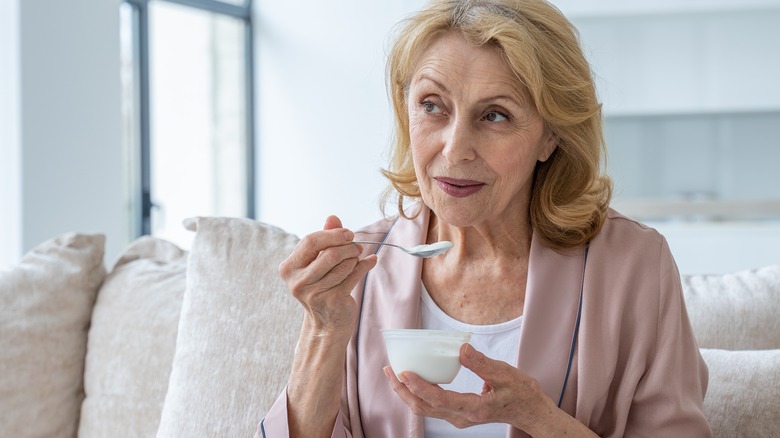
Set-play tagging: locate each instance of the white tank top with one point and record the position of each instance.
(497, 341)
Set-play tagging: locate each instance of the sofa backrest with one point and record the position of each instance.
(237, 330)
(201, 343)
(736, 311)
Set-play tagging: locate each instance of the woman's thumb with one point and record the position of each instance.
(332, 222)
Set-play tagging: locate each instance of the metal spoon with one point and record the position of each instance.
(424, 251)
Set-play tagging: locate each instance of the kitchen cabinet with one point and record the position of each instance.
(691, 102)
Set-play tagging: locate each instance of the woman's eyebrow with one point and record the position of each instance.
(425, 77)
(502, 97)
(513, 98)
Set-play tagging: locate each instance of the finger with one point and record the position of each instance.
(327, 275)
(424, 398)
(310, 247)
(417, 405)
(390, 374)
(331, 267)
(332, 222)
(398, 386)
(438, 398)
(489, 370)
(360, 270)
(335, 281)
(346, 273)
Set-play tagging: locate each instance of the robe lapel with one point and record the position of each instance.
(550, 314)
(391, 300)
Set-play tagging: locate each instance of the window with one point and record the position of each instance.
(187, 92)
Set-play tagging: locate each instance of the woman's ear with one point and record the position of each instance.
(550, 142)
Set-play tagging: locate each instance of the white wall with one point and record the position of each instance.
(323, 118)
(68, 152)
(10, 146)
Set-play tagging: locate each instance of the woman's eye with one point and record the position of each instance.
(495, 116)
(430, 107)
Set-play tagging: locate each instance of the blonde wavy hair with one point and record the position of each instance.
(570, 194)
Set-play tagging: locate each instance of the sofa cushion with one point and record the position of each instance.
(45, 306)
(237, 331)
(132, 341)
(742, 395)
(735, 311)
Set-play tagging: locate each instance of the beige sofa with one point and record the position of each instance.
(198, 344)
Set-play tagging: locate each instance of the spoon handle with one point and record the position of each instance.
(364, 242)
(424, 251)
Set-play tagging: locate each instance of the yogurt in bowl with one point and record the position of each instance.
(433, 355)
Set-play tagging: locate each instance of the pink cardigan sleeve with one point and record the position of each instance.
(675, 365)
(640, 372)
(275, 425)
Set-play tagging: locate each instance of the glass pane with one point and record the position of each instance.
(234, 2)
(198, 127)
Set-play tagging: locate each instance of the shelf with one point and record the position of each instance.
(577, 9)
(677, 113)
(705, 210)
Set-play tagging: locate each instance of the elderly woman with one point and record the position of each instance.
(577, 318)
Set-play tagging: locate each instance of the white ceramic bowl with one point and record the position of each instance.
(431, 354)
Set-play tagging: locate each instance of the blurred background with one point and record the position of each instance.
(126, 116)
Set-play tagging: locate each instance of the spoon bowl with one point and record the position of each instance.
(425, 251)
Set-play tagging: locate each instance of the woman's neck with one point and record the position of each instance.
(482, 279)
(510, 241)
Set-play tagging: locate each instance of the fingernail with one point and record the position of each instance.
(468, 351)
(403, 379)
(348, 235)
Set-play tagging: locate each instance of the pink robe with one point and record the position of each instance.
(635, 369)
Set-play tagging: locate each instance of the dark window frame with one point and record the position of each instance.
(140, 43)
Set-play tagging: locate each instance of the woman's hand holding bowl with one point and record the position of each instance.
(508, 395)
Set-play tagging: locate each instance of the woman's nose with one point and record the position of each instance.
(459, 142)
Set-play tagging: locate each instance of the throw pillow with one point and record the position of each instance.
(742, 395)
(45, 306)
(132, 341)
(735, 311)
(237, 331)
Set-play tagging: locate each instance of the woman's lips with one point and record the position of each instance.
(459, 188)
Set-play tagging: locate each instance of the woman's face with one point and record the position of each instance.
(475, 137)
